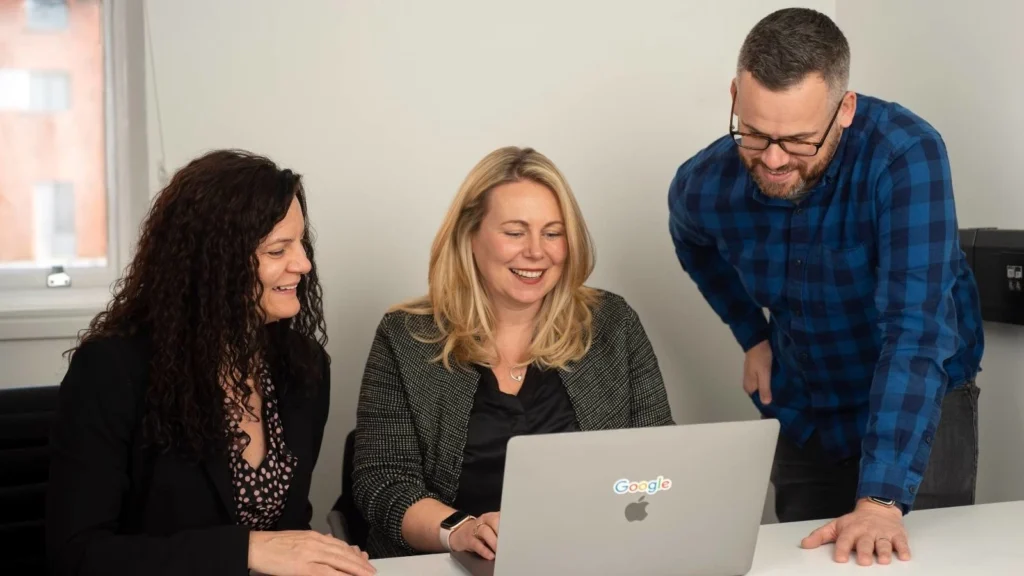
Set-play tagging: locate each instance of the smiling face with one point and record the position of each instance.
(800, 113)
(282, 264)
(520, 246)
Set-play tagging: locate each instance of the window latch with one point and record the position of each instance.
(58, 278)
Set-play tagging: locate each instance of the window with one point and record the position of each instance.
(54, 145)
(72, 73)
(46, 15)
(34, 90)
(48, 91)
(54, 212)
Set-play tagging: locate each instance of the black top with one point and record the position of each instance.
(541, 407)
(117, 505)
(260, 493)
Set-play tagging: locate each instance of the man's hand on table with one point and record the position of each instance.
(871, 529)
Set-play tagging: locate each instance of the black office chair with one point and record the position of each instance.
(345, 520)
(26, 415)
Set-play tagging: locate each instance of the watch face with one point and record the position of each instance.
(884, 501)
(453, 520)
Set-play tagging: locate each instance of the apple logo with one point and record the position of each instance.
(636, 511)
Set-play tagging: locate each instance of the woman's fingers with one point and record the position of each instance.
(492, 519)
(489, 537)
(347, 559)
(481, 549)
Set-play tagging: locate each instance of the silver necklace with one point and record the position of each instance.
(519, 377)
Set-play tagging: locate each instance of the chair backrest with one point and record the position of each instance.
(356, 527)
(26, 416)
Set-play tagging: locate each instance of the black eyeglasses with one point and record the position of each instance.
(762, 142)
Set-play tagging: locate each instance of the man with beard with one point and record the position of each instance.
(834, 211)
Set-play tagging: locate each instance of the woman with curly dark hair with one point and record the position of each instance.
(193, 410)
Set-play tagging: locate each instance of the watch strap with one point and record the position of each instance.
(445, 534)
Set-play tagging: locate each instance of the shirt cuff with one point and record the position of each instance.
(751, 331)
(400, 503)
(889, 483)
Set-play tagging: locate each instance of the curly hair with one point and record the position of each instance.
(193, 290)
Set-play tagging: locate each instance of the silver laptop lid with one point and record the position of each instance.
(681, 500)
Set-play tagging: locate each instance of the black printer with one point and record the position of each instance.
(997, 259)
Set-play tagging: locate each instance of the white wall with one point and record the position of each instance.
(385, 106)
(957, 64)
(32, 362)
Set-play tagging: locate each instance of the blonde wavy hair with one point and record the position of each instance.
(463, 313)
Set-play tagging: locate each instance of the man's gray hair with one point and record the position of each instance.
(787, 45)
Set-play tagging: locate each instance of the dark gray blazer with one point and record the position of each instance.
(412, 415)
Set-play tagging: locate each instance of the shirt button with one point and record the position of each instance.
(804, 356)
(799, 211)
(913, 488)
(799, 262)
(927, 438)
(797, 312)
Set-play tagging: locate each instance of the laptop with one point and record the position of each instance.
(683, 500)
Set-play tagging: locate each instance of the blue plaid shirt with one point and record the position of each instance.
(873, 311)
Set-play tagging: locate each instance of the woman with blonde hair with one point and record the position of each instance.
(507, 341)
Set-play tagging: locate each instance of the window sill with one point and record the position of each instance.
(49, 313)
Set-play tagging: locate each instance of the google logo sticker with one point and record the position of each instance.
(625, 486)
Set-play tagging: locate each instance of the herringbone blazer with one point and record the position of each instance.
(412, 414)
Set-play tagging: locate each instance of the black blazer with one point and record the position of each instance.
(117, 507)
(413, 414)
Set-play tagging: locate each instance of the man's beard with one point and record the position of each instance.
(808, 175)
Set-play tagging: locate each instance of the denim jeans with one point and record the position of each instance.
(809, 486)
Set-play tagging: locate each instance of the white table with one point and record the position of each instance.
(986, 539)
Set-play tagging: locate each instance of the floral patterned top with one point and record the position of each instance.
(260, 493)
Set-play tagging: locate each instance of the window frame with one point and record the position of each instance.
(28, 308)
(43, 29)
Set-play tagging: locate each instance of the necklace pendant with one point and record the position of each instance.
(517, 377)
